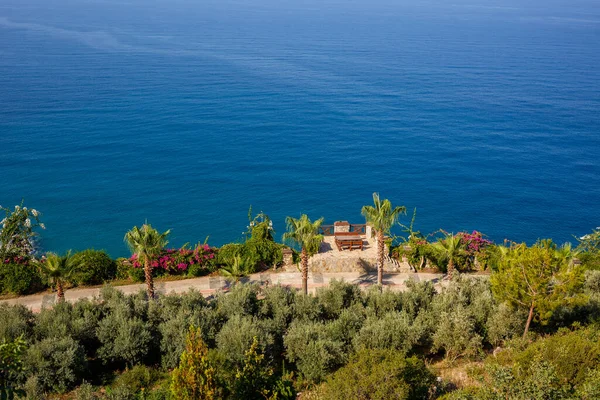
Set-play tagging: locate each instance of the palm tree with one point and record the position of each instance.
(305, 234)
(146, 243)
(381, 216)
(237, 267)
(448, 250)
(59, 270)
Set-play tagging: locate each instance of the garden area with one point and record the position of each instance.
(529, 329)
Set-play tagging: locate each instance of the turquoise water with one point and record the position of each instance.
(482, 114)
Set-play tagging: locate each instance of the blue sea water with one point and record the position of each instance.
(482, 114)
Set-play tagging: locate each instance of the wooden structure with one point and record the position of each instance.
(348, 240)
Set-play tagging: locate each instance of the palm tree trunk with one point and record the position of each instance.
(149, 279)
(529, 318)
(380, 248)
(450, 268)
(60, 293)
(304, 259)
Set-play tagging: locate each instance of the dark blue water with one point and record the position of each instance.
(482, 114)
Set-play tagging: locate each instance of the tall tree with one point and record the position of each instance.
(539, 278)
(381, 216)
(306, 234)
(448, 250)
(146, 243)
(195, 377)
(59, 270)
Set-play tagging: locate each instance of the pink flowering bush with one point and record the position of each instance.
(198, 261)
(476, 248)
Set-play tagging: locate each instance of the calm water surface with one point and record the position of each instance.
(482, 114)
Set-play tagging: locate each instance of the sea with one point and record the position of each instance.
(480, 114)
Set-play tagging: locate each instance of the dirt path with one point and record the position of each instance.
(210, 285)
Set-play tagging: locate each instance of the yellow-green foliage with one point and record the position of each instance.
(540, 278)
(194, 379)
(379, 374)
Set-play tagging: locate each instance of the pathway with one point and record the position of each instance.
(210, 285)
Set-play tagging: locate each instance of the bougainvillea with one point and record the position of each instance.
(475, 246)
(474, 241)
(178, 261)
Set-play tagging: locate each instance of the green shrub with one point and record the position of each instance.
(33, 389)
(338, 296)
(120, 393)
(263, 253)
(253, 379)
(278, 304)
(124, 336)
(228, 252)
(57, 363)
(93, 267)
(592, 282)
(137, 378)
(571, 354)
(379, 375)
(379, 302)
(11, 367)
(417, 297)
(174, 330)
(315, 353)
(504, 323)
(86, 392)
(455, 334)
(195, 376)
(346, 327)
(15, 321)
(590, 388)
(237, 335)
(590, 260)
(307, 307)
(79, 321)
(392, 331)
(20, 278)
(123, 266)
(240, 300)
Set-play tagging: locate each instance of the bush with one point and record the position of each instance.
(571, 354)
(240, 300)
(455, 334)
(174, 330)
(379, 375)
(315, 353)
(86, 392)
(93, 267)
(57, 363)
(418, 297)
(380, 302)
(278, 304)
(78, 321)
(392, 331)
(237, 335)
(15, 321)
(338, 296)
(124, 335)
(20, 278)
(505, 323)
(137, 378)
(308, 308)
(194, 378)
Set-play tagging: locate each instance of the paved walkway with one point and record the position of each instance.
(210, 285)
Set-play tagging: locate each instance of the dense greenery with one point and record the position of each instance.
(270, 342)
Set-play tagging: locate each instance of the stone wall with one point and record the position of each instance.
(355, 264)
